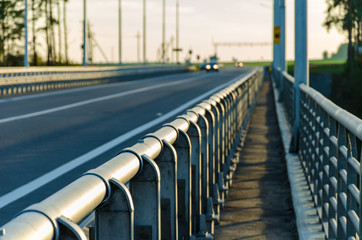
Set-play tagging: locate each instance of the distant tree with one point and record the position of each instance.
(50, 22)
(59, 33)
(325, 54)
(11, 30)
(36, 13)
(346, 16)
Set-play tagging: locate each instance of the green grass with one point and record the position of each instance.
(322, 66)
(315, 66)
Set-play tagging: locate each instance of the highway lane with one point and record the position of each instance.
(48, 140)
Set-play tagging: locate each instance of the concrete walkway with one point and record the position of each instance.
(259, 204)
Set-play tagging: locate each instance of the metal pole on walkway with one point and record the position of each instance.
(301, 66)
(84, 32)
(26, 34)
(276, 41)
(282, 63)
(144, 32)
(120, 32)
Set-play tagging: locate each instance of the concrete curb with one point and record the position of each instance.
(307, 220)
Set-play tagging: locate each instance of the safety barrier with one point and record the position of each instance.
(330, 150)
(34, 79)
(170, 185)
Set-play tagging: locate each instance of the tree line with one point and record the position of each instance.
(47, 24)
(346, 16)
(47, 28)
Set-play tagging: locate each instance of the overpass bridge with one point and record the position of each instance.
(251, 153)
(215, 170)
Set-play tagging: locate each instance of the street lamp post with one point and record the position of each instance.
(26, 64)
(177, 32)
(84, 32)
(144, 31)
(120, 32)
(163, 29)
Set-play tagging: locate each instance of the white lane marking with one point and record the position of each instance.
(78, 104)
(81, 89)
(50, 176)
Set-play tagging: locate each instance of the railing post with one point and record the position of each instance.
(352, 180)
(115, 219)
(209, 213)
(221, 150)
(227, 142)
(333, 172)
(217, 158)
(204, 128)
(146, 192)
(167, 163)
(341, 185)
(183, 150)
(68, 230)
(325, 162)
(194, 133)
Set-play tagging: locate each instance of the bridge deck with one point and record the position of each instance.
(259, 203)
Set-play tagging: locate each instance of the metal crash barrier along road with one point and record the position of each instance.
(330, 151)
(35, 79)
(170, 185)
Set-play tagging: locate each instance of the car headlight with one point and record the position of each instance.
(208, 66)
(216, 66)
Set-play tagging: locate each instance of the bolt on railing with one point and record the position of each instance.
(330, 150)
(170, 185)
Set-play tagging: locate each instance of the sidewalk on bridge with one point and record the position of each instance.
(259, 203)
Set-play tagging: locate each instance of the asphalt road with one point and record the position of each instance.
(49, 139)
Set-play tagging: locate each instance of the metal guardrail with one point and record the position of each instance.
(172, 183)
(330, 150)
(34, 79)
(288, 96)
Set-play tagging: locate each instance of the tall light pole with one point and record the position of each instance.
(144, 31)
(120, 32)
(282, 63)
(177, 31)
(26, 64)
(84, 32)
(301, 66)
(276, 45)
(138, 36)
(282, 34)
(163, 29)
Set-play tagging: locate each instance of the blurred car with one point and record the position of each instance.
(212, 67)
(239, 64)
(203, 66)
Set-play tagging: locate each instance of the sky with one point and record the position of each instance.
(202, 22)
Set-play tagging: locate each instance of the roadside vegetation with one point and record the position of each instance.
(47, 31)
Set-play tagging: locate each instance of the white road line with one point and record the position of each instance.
(78, 104)
(46, 178)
